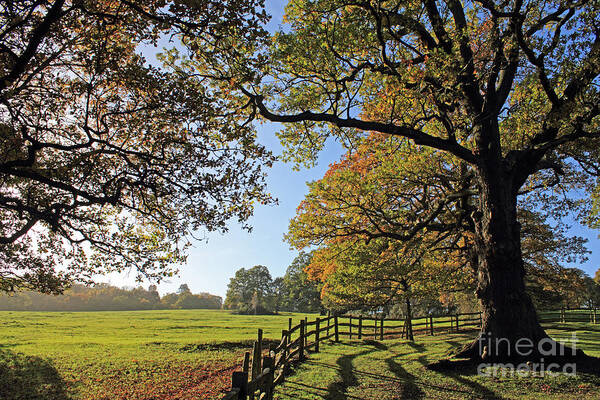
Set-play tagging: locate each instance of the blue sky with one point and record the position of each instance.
(214, 260)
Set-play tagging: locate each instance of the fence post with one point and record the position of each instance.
(317, 327)
(431, 325)
(381, 337)
(268, 363)
(284, 350)
(301, 340)
(350, 327)
(595, 317)
(305, 331)
(562, 315)
(289, 324)
(336, 329)
(375, 327)
(256, 360)
(246, 364)
(360, 327)
(457, 328)
(328, 321)
(240, 380)
(480, 319)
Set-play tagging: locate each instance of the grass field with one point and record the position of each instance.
(178, 354)
(395, 369)
(174, 354)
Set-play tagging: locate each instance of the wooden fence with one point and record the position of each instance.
(259, 377)
(266, 368)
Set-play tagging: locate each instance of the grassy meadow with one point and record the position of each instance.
(190, 354)
(170, 354)
(395, 369)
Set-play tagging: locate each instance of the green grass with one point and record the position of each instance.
(395, 369)
(180, 354)
(125, 355)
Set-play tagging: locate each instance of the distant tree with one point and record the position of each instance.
(188, 300)
(255, 303)
(299, 293)
(278, 294)
(183, 288)
(375, 275)
(169, 300)
(591, 294)
(572, 287)
(250, 290)
(211, 301)
(106, 297)
(597, 276)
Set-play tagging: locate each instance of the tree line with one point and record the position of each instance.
(105, 297)
(254, 291)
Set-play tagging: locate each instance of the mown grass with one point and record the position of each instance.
(171, 354)
(180, 354)
(395, 369)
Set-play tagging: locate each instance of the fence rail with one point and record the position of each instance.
(261, 372)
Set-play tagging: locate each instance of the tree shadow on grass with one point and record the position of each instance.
(28, 377)
(347, 374)
(338, 390)
(461, 372)
(417, 346)
(410, 389)
(455, 347)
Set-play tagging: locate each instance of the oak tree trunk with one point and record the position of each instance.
(510, 328)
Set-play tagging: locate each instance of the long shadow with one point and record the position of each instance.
(375, 343)
(400, 379)
(338, 390)
(31, 378)
(455, 347)
(459, 376)
(417, 346)
(410, 389)
(423, 360)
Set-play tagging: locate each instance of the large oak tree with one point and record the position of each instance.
(507, 89)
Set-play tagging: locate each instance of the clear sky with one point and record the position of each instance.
(214, 260)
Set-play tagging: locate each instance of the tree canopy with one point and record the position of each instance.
(300, 292)
(250, 291)
(106, 161)
(254, 291)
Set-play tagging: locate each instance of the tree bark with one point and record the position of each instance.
(408, 323)
(510, 329)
